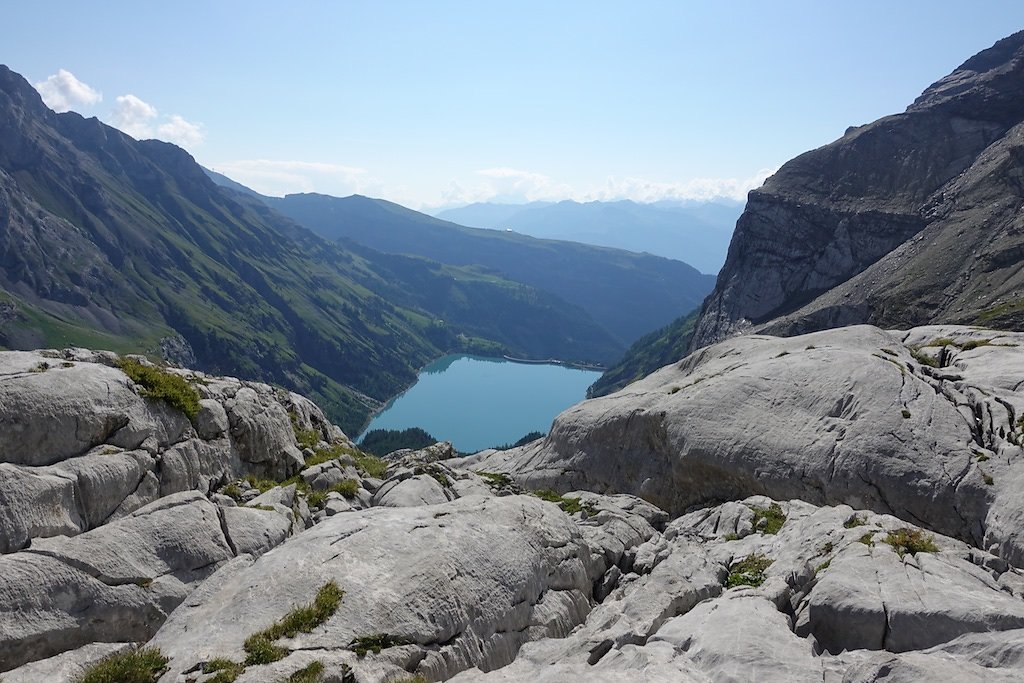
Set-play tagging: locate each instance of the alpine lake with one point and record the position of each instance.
(477, 402)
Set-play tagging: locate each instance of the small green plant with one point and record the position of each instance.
(144, 665)
(748, 572)
(822, 567)
(980, 456)
(987, 478)
(234, 491)
(975, 343)
(316, 499)
(924, 358)
(41, 366)
(497, 479)
(370, 464)
(854, 521)
(942, 341)
(434, 472)
(826, 549)
(569, 505)
(769, 520)
(733, 536)
(260, 647)
(911, 541)
(227, 670)
(346, 487)
(868, 539)
(162, 385)
(375, 643)
(905, 413)
(262, 485)
(332, 452)
(313, 673)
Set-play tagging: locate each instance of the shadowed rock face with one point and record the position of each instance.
(841, 416)
(908, 220)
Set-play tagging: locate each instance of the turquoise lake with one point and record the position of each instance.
(477, 402)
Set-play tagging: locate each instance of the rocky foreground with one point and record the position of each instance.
(842, 506)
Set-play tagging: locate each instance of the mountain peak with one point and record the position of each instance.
(987, 86)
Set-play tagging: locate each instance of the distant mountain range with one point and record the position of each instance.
(695, 232)
(627, 293)
(114, 243)
(910, 220)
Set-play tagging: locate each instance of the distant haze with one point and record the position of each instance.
(695, 232)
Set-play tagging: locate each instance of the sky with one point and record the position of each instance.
(441, 103)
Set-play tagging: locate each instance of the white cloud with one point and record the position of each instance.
(509, 185)
(700, 189)
(134, 117)
(181, 132)
(62, 91)
(138, 118)
(278, 178)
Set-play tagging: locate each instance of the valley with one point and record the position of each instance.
(283, 439)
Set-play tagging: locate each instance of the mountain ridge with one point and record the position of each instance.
(129, 245)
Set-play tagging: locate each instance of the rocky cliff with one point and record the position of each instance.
(870, 529)
(912, 219)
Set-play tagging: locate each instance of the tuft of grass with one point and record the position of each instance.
(975, 343)
(822, 567)
(733, 536)
(346, 487)
(905, 413)
(980, 456)
(987, 478)
(748, 572)
(923, 358)
(144, 665)
(233, 491)
(497, 479)
(371, 465)
(434, 472)
(227, 670)
(162, 385)
(375, 643)
(868, 539)
(332, 452)
(769, 520)
(941, 341)
(41, 366)
(308, 674)
(569, 505)
(260, 647)
(854, 521)
(911, 541)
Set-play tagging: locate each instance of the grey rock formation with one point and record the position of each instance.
(842, 416)
(909, 220)
(465, 583)
(672, 619)
(82, 446)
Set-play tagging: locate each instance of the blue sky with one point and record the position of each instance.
(434, 103)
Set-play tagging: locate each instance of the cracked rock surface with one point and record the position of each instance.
(846, 416)
(81, 445)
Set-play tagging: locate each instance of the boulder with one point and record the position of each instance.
(437, 577)
(845, 416)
